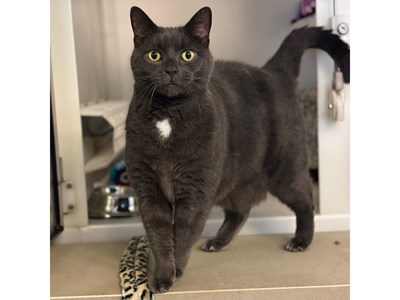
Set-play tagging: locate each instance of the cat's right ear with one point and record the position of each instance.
(141, 24)
(200, 24)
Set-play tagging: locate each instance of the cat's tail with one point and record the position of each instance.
(288, 57)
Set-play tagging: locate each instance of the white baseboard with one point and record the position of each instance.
(254, 225)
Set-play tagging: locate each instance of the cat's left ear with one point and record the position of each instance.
(200, 24)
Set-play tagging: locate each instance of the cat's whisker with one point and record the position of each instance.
(148, 93)
(201, 88)
(142, 82)
(151, 97)
(193, 92)
(143, 91)
(207, 81)
(143, 95)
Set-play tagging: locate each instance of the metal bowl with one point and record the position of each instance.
(112, 201)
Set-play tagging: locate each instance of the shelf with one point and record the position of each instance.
(114, 113)
(102, 159)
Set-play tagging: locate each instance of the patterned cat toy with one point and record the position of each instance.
(133, 270)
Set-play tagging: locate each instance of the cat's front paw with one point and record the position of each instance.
(179, 273)
(214, 245)
(160, 285)
(297, 245)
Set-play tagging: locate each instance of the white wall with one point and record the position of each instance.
(249, 31)
(89, 49)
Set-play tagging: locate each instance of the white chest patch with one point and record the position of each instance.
(164, 128)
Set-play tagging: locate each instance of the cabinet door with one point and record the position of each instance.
(55, 201)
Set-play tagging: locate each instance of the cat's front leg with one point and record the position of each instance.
(156, 213)
(190, 216)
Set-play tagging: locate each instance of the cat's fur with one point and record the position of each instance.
(236, 132)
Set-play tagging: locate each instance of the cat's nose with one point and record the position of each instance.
(171, 71)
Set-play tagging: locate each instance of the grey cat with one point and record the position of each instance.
(201, 133)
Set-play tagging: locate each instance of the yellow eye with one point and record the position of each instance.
(187, 55)
(154, 56)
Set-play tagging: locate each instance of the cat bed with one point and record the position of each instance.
(133, 270)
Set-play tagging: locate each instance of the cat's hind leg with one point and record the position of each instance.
(231, 226)
(237, 205)
(297, 195)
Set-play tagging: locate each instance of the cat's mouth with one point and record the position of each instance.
(171, 90)
(168, 100)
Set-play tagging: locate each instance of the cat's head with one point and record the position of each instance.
(175, 61)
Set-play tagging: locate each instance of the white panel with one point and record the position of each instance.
(333, 137)
(66, 106)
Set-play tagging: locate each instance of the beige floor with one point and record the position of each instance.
(255, 267)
